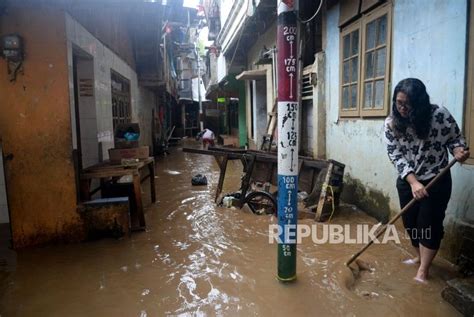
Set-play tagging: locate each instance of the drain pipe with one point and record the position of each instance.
(288, 127)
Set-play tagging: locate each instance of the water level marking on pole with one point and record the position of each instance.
(288, 130)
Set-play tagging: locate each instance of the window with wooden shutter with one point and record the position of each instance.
(350, 70)
(365, 65)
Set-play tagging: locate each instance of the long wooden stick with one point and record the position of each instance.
(408, 206)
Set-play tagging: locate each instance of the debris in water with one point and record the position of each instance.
(368, 294)
(302, 196)
(199, 179)
(172, 172)
(187, 200)
(227, 201)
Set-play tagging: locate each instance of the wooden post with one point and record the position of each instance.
(151, 168)
(324, 191)
(137, 190)
(223, 168)
(246, 179)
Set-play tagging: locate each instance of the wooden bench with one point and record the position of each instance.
(106, 217)
(107, 170)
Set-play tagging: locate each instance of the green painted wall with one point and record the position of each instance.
(239, 87)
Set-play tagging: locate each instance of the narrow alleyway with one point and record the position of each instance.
(199, 259)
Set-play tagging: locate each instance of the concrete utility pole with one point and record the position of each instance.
(288, 113)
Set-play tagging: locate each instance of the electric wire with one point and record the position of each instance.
(314, 15)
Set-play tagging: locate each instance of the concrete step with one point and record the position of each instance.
(460, 294)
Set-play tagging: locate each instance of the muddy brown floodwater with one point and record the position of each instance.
(198, 259)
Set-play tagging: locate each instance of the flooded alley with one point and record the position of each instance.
(197, 259)
(331, 118)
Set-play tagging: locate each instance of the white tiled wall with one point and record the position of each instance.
(104, 60)
(88, 117)
(4, 217)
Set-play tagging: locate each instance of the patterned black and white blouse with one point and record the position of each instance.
(424, 158)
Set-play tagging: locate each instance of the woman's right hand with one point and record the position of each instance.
(418, 190)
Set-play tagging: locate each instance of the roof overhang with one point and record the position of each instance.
(252, 74)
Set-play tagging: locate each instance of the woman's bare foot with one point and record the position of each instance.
(415, 260)
(419, 280)
(421, 276)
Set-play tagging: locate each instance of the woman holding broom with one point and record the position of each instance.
(418, 136)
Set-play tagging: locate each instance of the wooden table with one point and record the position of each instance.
(106, 170)
(314, 177)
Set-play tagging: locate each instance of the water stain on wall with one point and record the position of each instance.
(374, 202)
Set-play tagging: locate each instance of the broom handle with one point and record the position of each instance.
(408, 206)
